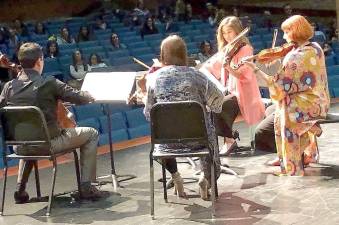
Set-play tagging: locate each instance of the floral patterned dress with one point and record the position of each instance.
(300, 91)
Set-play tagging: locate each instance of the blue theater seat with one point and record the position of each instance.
(88, 44)
(118, 122)
(121, 60)
(141, 51)
(52, 68)
(139, 44)
(135, 118)
(200, 38)
(68, 46)
(90, 122)
(88, 111)
(140, 131)
(117, 135)
(332, 70)
(333, 81)
(330, 60)
(153, 37)
(118, 53)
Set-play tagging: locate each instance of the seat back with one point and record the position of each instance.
(178, 122)
(25, 126)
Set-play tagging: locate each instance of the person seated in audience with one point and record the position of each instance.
(318, 34)
(180, 9)
(148, 28)
(84, 34)
(170, 25)
(65, 37)
(15, 54)
(78, 70)
(116, 42)
(3, 43)
(52, 49)
(32, 88)
(220, 14)
(13, 38)
(39, 29)
(188, 13)
(188, 84)
(100, 24)
(95, 62)
(328, 49)
(205, 51)
(20, 28)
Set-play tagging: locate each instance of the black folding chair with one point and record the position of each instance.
(179, 122)
(26, 127)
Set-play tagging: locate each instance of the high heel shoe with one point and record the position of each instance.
(203, 188)
(178, 185)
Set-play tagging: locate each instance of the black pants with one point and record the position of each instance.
(264, 133)
(224, 120)
(26, 171)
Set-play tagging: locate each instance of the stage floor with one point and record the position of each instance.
(254, 197)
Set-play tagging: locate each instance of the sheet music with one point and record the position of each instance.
(213, 79)
(109, 86)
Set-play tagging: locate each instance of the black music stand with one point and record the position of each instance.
(110, 87)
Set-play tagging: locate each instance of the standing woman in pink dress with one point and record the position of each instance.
(243, 97)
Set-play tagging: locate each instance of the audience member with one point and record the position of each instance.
(65, 37)
(148, 28)
(95, 62)
(100, 24)
(84, 34)
(20, 28)
(205, 51)
(78, 70)
(13, 39)
(39, 29)
(188, 13)
(116, 42)
(328, 50)
(170, 25)
(52, 49)
(180, 9)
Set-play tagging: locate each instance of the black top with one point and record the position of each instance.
(32, 89)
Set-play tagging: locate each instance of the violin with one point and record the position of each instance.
(139, 90)
(64, 116)
(269, 55)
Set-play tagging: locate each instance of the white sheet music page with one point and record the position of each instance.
(109, 86)
(213, 79)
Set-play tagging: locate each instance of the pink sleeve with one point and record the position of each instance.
(246, 71)
(214, 67)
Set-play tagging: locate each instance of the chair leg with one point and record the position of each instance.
(4, 189)
(52, 188)
(37, 179)
(77, 171)
(213, 184)
(164, 181)
(152, 184)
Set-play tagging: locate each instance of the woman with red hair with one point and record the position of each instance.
(300, 93)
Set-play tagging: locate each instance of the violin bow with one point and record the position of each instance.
(141, 63)
(275, 34)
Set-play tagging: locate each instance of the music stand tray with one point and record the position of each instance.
(110, 87)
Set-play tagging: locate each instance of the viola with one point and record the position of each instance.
(64, 116)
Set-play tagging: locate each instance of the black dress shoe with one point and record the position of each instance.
(21, 197)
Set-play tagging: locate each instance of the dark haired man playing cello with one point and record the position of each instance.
(30, 88)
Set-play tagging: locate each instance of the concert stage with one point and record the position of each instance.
(255, 197)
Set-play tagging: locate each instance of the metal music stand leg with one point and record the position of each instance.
(113, 175)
